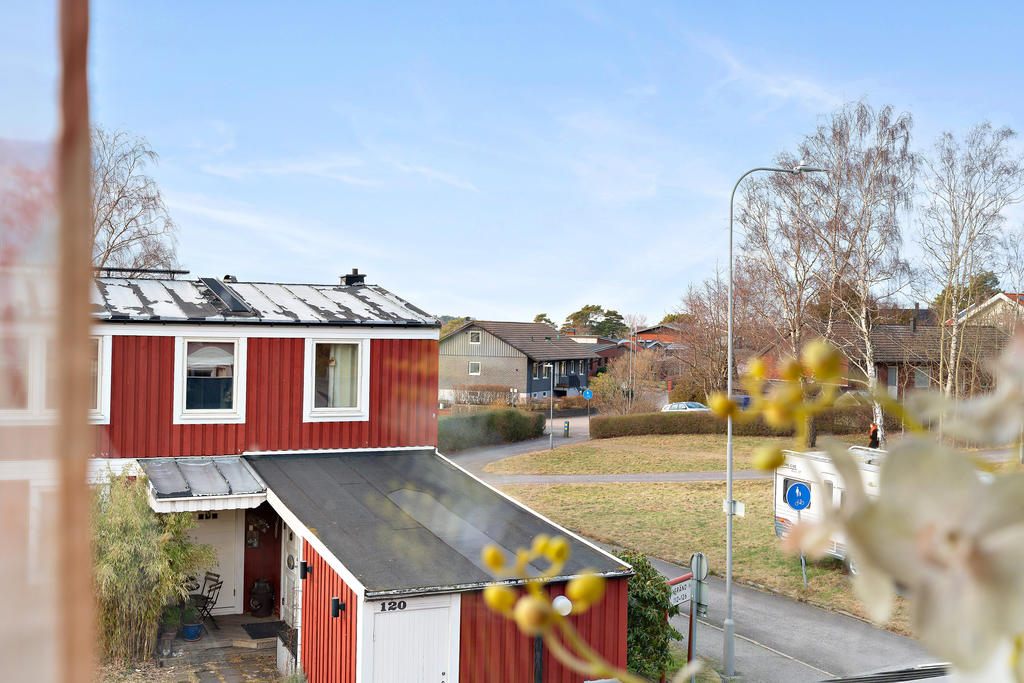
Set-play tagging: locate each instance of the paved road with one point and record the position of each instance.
(778, 639)
(476, 459)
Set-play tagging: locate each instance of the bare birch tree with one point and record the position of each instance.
(968, 185)
(860, 202)
(778, 249)
(131, 227)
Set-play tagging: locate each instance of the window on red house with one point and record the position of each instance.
(209, 375)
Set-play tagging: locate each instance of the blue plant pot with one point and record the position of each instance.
(192, 632)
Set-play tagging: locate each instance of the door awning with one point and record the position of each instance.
(194, 484)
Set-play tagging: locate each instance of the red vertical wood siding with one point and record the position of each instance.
(491, 647)
(328, 643)
(403, 402)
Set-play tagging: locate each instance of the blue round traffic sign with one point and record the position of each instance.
(798, 496)
(588, 394)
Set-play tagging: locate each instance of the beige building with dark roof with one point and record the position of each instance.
(522, 360)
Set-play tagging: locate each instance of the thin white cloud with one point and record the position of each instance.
(435, 175)
(292, 236)
(333, 168)
(781, 87)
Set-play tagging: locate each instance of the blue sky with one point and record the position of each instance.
(495, 160)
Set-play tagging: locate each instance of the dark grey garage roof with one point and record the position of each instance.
(209, 300)
(194, 477)
(538, 341)
(408, 521)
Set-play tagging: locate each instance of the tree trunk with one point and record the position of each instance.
(951, 365)
(872, 373)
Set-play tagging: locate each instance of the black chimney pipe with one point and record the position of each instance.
(354, 278)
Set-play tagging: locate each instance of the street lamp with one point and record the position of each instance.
(551, 415)
(729, 625)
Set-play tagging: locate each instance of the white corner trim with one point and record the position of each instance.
(361, 412)
(303, 531)
(534, 512)
(234, 416)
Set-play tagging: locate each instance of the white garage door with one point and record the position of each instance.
(222, 530)
(413, 641)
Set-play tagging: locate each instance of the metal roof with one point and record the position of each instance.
(406, 522)
(214, 301)
(196, 477)
(537, 341)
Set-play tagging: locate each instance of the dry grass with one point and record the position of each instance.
(672, 521)
(630, 454)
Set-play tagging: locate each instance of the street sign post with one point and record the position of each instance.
(680, 592)
(798, 497)
(698, 602)
(588, 394)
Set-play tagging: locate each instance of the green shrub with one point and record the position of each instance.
(848, 420)
(649, 633)
(483, 428)
(141, 561)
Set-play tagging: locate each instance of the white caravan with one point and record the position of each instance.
(815, 470)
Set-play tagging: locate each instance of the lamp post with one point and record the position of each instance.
(551, 407)
(729, 626)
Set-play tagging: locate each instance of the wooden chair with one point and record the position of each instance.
(206, 601)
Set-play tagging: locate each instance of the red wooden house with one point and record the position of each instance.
(299, 423)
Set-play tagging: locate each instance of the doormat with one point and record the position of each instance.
(263, 629)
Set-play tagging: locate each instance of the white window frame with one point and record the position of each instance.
(358, 413)
(478, 367)
(36, 411)
(545, 368)
(536, 370)
(234, 415)
(479, 337)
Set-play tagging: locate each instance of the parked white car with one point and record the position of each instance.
(686, 406)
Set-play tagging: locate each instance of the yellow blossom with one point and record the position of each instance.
(557, 549)
(768, 458)
(499, 598)
(721, 405)
(757, 369)
(791, 370)
(823, 359)
(533, 614)
(584, 591)
(493, 558)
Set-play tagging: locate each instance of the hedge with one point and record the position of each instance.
(851, 420)
(484, 428)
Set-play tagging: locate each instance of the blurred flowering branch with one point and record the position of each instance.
(535, 614)
(948, 533)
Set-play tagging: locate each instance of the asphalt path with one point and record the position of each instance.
(777, 638)
(780, 639)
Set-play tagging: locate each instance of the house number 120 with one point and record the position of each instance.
(392, 605)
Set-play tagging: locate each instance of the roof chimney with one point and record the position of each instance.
(353, 278)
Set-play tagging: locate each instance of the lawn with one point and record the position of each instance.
(672, 521)
(660, 453)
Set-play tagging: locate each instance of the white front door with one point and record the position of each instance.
(223, 530)
(413, 640)
(291, 587)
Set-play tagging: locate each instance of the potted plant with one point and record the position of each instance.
(191, 625)
(169, 623)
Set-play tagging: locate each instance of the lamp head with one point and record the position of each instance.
(805, 168)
